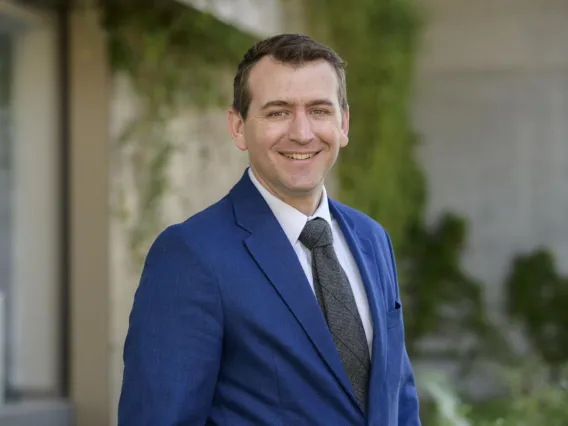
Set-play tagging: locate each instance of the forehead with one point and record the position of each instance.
(271, 80)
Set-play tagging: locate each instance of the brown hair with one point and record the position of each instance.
(292, 49)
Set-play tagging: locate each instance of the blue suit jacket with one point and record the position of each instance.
(225, 329)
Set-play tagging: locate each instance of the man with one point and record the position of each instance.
(276, 305)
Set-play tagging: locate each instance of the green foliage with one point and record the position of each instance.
(175, 57)
(530, 399)
(378, 171)
(537, 297)
(441, 295)
(173, 53)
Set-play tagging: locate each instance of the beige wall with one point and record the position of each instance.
(493, 34)
(491, 106)
(90, 323)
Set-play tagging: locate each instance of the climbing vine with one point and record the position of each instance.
(378, 171)
(175, 57)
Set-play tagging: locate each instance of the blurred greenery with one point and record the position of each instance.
(176, 58)
(378, 171)
(174, 54)
(537, 297)
(441, 297)
(531, 400)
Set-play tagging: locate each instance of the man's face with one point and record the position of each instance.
(294, 127)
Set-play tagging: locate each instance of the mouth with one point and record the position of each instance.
(299, 156)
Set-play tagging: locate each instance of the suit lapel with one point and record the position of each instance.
(275, 256)
(373, 278)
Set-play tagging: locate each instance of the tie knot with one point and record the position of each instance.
(316, 233)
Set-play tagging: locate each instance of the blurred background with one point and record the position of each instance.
(112, 126)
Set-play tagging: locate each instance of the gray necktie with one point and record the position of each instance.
(337, 302)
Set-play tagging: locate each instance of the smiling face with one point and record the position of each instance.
(293, 130)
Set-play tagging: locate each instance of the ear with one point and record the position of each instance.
(344, 128)
(236, 126)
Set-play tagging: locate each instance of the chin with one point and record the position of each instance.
(304, 188)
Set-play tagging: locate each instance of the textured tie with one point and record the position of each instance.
(337, 302)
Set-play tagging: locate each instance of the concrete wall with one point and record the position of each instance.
(5, 193)
(260, 17)
(491, 107)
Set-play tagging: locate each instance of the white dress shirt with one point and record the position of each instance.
(293, 221)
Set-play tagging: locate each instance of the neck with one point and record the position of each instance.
(306, 205)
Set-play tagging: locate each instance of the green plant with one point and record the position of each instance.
(537, 297)
(531, 399)
(378, 171)
(441, 296)
(175, 58)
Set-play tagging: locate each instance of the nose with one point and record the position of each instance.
(301, 129)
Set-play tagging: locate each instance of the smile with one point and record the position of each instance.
(299, 156)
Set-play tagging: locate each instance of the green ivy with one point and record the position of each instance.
(173, 52)
(378, 171)
(175, 57)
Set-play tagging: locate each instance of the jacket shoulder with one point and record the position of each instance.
(201, 228)
(362, 221)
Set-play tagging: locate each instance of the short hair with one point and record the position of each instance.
(292, 49)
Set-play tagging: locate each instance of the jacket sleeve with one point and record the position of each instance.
(408, 406)
(408, 412)
(173, 346)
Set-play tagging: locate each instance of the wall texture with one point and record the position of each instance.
(491, 108)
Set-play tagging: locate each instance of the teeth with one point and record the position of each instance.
(299, 156)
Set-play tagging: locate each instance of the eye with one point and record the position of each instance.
(320, 112)
(276, 113)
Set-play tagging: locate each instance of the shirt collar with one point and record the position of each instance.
(291, 220)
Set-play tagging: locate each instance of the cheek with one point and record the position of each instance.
(268, 134)
(330, 133)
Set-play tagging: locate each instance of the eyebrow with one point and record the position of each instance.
(282, 103)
